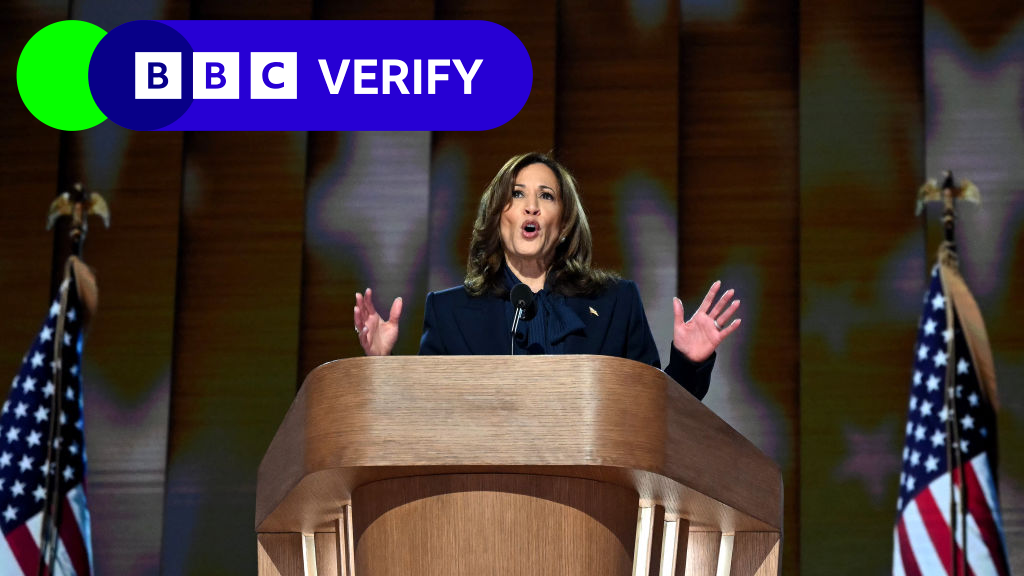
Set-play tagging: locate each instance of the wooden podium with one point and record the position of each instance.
(479, 465)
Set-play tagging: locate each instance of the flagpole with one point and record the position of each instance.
(51, 509)
(948, 260)
(48, 526)
(949, 223)
(79, 206)
(948, 253)
(957, 361)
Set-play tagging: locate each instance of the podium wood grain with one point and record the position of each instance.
(524, 524)
(404, 440)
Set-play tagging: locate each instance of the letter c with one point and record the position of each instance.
(266, 75)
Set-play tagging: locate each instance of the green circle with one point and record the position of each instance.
(53, 75)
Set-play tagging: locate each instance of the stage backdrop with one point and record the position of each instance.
(776, 146)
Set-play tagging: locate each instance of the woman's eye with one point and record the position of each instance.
(517, 193)
(547, 196)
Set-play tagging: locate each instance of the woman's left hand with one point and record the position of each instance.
(709, 325)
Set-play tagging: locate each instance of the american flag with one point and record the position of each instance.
(27, 458)
(940, 437)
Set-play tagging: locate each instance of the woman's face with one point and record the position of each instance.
(531, 224)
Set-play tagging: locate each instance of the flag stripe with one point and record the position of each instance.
(988, 488)
(975, 548)
(71, 537)
(897, 559)
(978, 557)
(987, 484)
(982, 514)
(923, 551)
(25, 549)
(63, 566)
(936, 526)
(908, 563)
(6, 554)
(76, 497)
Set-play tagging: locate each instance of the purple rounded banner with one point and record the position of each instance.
(330, 75)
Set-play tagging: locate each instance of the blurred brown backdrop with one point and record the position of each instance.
(774, 145)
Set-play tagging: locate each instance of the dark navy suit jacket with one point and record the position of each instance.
(456, 323)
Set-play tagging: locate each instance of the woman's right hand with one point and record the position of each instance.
(376, 336)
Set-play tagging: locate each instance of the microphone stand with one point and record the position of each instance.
(522, 298)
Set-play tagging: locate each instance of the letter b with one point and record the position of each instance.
(158, 75)
(157, 71)
(215, 75)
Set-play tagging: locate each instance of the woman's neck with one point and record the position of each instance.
(533, 273)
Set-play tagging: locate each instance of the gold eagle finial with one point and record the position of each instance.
(931, 191)
(79, 205)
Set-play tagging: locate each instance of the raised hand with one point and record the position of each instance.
(709, 325)
(376, 335)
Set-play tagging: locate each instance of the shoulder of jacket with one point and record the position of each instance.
(624, 288)
(450, 295)
(620, 288)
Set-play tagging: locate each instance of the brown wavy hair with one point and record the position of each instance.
(570, 273)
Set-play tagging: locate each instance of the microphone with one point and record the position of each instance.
(522, 298)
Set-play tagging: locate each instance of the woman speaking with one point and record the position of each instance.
(531, 229)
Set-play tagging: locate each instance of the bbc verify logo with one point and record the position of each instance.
(216, 76)
(245, 75)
